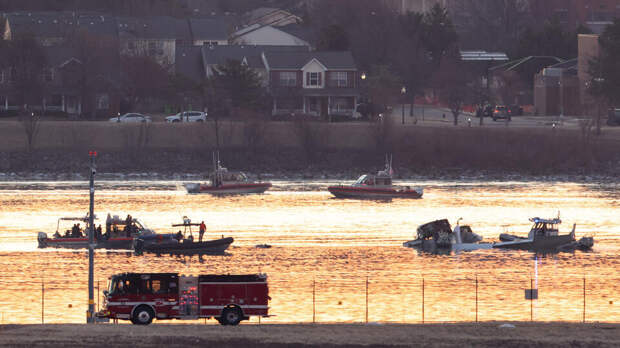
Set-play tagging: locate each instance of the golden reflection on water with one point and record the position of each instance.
(329, 247)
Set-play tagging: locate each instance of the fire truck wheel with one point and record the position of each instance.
(231, 316)
(142, 315)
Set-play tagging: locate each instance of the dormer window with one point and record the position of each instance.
(313, 79)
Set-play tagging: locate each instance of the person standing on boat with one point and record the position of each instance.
(203, 229)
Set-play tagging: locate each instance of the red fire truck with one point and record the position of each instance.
(142, 297)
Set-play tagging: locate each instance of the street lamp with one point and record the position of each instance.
(402, 92)
(90, 318)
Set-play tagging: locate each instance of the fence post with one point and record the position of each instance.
(313, 301)
(531, 300)
(584, 298)
(366, 299)
(422, 300)
(476, 297)
(42, 302)
(97, 295)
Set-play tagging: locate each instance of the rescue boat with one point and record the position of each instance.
(376, 186)
(119, 234)
(223, 182)
(182, 243)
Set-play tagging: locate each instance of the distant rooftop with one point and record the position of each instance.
(483, 56)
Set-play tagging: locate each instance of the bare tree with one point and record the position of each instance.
(452, 79)
(30, 123)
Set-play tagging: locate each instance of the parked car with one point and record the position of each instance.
(486, 111)
(131, 118)
(500, 112)
(515, 110)
(613, 117)
(187, 116)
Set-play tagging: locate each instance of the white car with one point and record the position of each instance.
(187, 116)
(131, 117)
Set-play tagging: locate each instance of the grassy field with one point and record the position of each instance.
(337, 335)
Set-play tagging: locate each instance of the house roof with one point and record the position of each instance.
(570, 66)
(299, 30)
(162, 27)
(209, 28)
(48, 24)
(261, 15)
(332, 60)
(59, 55)
(188, 62)
(217, 55)
(516, 64)
(60, 24)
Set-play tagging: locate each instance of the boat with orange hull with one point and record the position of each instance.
(376, 186)
(223, 182)
(119, 234)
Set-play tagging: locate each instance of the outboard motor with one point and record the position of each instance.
(42, 239)
(138, 246)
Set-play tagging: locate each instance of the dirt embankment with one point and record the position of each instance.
(268, 147)
(338, 335)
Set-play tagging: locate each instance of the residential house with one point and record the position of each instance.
(62, 89)
(271, 16)
(249, 55)
(209, 31)
(156, 37)
(258, 34)
(321, 84)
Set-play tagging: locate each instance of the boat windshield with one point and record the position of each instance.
(361, 180)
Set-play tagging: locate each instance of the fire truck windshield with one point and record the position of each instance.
(123, 285)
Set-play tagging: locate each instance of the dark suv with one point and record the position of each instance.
(501, 111)
(613, 117)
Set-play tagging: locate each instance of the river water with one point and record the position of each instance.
(331, 260)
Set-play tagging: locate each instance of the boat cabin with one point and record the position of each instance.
(127, 227)
(222, 176)
(544, 227)
(76, 231)
(374, 180)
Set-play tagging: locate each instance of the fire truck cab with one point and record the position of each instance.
(142, 297)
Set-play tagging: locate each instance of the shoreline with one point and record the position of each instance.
(309, 176)
(488, 334)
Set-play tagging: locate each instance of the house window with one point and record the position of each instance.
(288, 78)
(338, 79)
(313, 79)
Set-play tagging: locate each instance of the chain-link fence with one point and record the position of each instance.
(466, 298)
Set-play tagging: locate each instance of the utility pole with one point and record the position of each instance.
(90, 316)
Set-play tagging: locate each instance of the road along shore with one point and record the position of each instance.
(523, 334)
